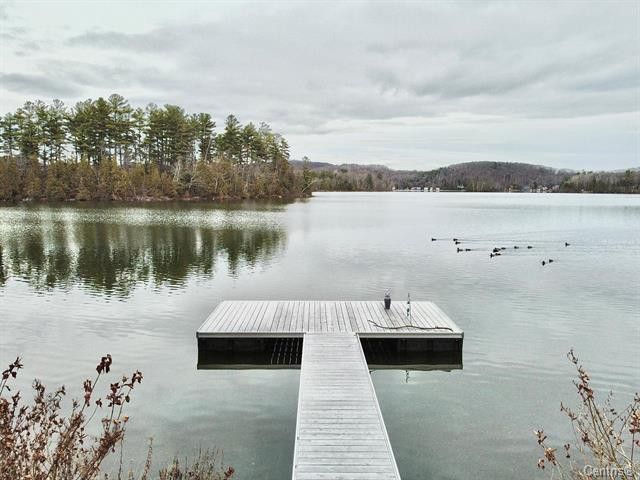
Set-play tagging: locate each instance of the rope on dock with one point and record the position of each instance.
(391, 327)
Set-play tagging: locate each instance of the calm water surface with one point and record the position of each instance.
(136, 281)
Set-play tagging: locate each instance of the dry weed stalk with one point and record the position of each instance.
(39, 442)
(207, 466)
(606, 441)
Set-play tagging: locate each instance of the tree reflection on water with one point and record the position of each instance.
(110, 254)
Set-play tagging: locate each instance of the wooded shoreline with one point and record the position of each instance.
(105, 149)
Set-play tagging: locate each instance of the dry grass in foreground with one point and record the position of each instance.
(38, 441)
(606, 440)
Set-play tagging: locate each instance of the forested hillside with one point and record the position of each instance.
(473, 176)
(489, 177)
(106, 149)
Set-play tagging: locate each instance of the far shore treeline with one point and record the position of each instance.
(105, 149)
(470, 177)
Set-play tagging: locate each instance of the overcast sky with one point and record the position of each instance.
(407, 85)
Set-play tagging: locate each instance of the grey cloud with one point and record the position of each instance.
(37, 84)
(29, 45)
(159, 41)
(118, 73)
(26, 48)
(114, 40)
(628, 79)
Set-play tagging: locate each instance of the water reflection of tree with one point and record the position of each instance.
(113, 258)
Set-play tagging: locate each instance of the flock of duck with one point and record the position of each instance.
(497, 251)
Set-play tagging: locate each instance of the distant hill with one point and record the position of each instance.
(351, 167)
(488, 176)
(471, 176)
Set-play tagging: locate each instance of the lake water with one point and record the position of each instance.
(78, 281)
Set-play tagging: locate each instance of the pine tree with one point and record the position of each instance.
(230, 142)
(120, 127)
(204, 131)
(54, 133)
(9, 136)
(28, 131)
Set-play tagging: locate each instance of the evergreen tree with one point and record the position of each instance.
(204, 131)
(119, 127)
(230, 142)
(9, 135)
(28, 130)
(54, 133)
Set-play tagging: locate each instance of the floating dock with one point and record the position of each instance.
(340, 432)
(245, 319)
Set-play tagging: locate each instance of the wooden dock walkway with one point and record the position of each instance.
(340, 433)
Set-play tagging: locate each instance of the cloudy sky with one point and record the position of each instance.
(408, 85)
